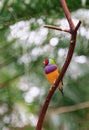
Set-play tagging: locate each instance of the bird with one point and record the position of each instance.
(52, 72)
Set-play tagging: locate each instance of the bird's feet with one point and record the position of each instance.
(52, 86)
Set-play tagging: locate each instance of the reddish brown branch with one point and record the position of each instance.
(78, 25)
(73, 31)
(68, 16)
(56, 28)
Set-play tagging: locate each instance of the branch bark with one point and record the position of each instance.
(73, 32)
(56, 28)
(68, 16)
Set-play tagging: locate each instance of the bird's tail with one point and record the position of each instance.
(60, 87)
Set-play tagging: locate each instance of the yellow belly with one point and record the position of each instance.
(52, 76)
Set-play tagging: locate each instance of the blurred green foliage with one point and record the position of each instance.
(24, 44)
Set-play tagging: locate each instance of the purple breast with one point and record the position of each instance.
(50, 68)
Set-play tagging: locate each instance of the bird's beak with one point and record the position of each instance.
(43, 62)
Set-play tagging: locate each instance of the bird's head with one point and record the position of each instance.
(48, 62)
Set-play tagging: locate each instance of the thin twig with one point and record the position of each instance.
(66, 109)
(78, 25)
(56, 28)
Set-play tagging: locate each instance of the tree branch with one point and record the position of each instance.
(66, 109)
(56, 28)
(68, 16)
(73, 31)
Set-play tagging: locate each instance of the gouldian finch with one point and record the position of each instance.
(52, 72)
